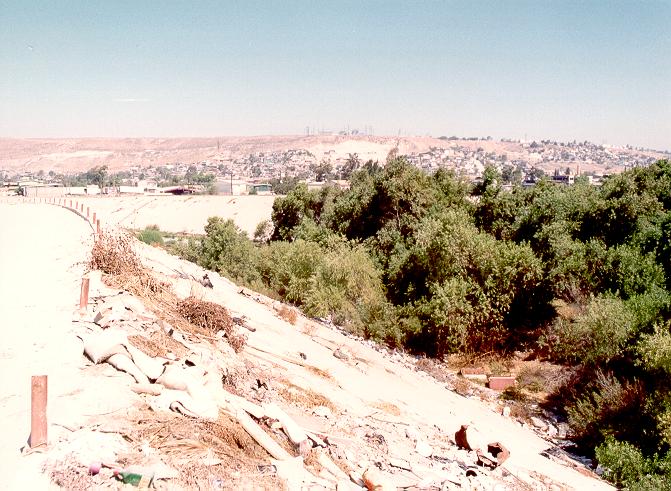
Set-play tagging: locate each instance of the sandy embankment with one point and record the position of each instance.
(43, 250)
(180, 213)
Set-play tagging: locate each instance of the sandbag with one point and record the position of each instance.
(151, 367)
(100, 345)
(125, 364)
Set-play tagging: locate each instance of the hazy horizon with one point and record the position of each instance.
(522, 70)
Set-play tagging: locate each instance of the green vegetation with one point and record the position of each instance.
(151, 235)
(578, 275)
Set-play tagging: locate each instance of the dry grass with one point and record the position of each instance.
(212, 317)
(541, 377)
(319, 372)
(208, 315)
(344, 464)
(168, 343)
(462, 386)
(311, 460)
(288, 314)
(147, 346)
(187, 439)
(307, 398)
(387, 407)
(309, 328)
(114, 255)
(71, 475)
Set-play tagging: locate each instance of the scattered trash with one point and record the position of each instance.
(322, 411)
(135, 476)
(341, 354)
(496, 455)
(205, 281)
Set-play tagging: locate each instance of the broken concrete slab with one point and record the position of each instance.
(423, 449)
(474, 374)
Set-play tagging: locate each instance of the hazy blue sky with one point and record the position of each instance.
(596, 70)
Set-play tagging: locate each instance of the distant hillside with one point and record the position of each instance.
(79, 154)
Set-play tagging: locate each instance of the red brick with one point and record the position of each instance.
(501, 383)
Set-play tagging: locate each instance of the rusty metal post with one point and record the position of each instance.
(38, 411)
(70, 204)
(93, 220)
(84, 294)
(98, 226)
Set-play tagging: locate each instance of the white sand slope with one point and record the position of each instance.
(376, 379)
(181, 213)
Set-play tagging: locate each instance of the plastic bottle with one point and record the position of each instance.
(138, 477)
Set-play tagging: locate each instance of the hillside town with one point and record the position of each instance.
(255, 173)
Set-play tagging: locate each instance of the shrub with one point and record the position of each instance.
(649, 309)
(596, 336)
(449, 315)
(151, 235)
(228, 250)
(471, 291)
(189, 249)
(288, 314)
(212, 317)
(286, 267)
(629, 272)
(601, 406)
(263, 232)
(655, 350)
(623, 463)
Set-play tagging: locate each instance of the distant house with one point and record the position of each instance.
(565, 179)
(235, 187)
(131, 190)
(261, 189)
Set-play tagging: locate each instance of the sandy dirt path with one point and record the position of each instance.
(43, 250)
